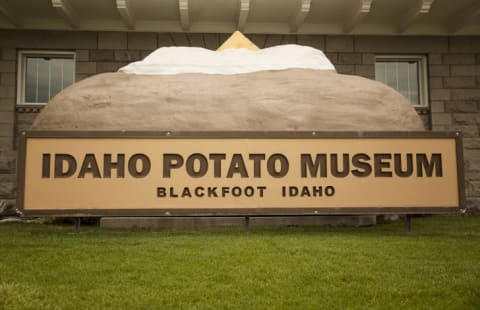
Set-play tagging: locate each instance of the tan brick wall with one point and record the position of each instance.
(456, 103)
(453, 71)
(8, 58)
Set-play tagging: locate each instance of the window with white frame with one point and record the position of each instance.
(42, 74)
(406, 74)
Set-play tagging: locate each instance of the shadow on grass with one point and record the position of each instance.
(435, 226)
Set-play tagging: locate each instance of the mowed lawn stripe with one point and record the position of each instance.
(437, 266)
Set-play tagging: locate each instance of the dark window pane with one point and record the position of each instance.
(414, 82)
(31, 80)
(56, 80)
(68, 72)
(380, 73)
(392, 77)
(46, 76)
(403, 79)
(43, 80)
(402, 76)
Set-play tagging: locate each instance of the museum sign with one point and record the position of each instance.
(239, 173)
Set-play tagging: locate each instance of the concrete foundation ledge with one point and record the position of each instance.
(255, 221)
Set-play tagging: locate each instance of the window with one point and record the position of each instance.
(406, 74)
(42, 74)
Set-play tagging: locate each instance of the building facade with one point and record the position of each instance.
(438, 70)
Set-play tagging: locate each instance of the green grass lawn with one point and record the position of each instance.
(436, 266)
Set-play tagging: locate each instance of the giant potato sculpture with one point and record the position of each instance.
(288, 97)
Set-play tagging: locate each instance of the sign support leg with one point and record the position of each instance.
(247, 224)
(408, 223)
(77, 225)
